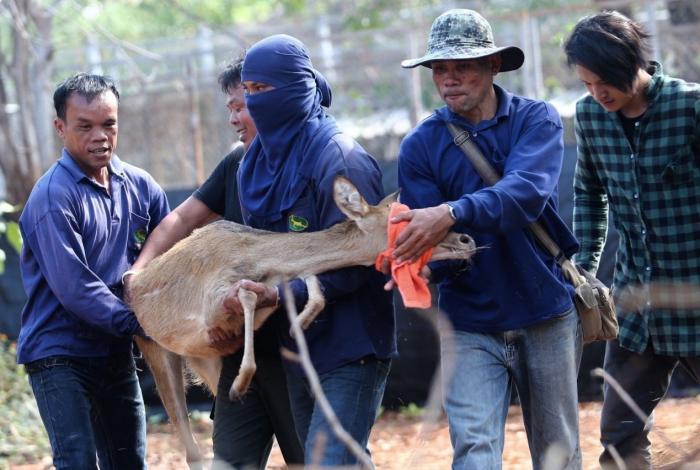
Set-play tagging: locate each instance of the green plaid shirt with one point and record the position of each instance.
(654, 196)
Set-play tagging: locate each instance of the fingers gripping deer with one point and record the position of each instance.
(179, 296)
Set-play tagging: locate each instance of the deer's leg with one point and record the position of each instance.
(314, 304)
(247, 371)
(208, 369)
(167, 372)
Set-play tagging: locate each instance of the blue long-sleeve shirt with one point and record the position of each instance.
(78, 240)
(512, 282)
(358, 319)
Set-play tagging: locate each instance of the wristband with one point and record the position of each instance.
(452, 211)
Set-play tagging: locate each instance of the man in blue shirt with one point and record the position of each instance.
(285, 184)
(83, 226)
(511, 309)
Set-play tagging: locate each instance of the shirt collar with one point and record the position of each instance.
(657, 79)
(503, 109)
(115, 167)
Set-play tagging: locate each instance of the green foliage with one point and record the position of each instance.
(411, 411)
(22, 435)
(138, 20)
(10, 230)
(509, 6)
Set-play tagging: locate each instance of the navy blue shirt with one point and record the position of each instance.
(78, 240)
(512, 282)
(358, 320)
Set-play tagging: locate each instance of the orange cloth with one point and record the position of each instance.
(413, 288)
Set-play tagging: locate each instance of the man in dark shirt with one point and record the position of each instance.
(637, 137)
(82, 226)
(243, 430)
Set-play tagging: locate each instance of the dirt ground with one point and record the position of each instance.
(400, 442)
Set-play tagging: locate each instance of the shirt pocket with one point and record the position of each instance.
(138, 232)
(683, 168)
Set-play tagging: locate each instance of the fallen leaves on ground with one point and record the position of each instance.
(405, 442)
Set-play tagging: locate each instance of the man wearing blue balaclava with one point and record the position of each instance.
(286, 185)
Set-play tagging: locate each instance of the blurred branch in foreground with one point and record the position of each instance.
(305, 359)
(659, 295)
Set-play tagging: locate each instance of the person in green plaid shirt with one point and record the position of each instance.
(638, 153)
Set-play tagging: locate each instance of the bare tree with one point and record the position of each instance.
(25, 70)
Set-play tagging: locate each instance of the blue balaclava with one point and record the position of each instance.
(292, 125)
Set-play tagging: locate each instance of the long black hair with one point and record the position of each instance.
(610, 45)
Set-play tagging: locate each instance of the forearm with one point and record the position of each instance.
(590, 228)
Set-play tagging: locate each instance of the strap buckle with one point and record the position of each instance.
(462, 137)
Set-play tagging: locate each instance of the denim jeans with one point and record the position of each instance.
(243, 429)
(92, 409)
(542, 363)
(645, 377)
(355, 393)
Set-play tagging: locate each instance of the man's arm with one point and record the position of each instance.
(56, 244)
(186, 217)
(590, 221)
(530, 176)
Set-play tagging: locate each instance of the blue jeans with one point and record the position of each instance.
(542, 362)
(645, 377)
(91, 408)
(355, 392)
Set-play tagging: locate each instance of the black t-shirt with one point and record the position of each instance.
(220, 194)
(220, 191)
(629, 124)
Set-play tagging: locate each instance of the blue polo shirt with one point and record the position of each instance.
(78, 240)
(511, 282)
(358, 320)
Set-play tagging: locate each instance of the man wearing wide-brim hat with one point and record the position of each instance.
(510, 309)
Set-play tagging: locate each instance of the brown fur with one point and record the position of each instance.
(178, 297)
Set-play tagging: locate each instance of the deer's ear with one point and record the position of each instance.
(393, 197)
(348, 199)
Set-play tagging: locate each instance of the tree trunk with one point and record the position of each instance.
(25, 97)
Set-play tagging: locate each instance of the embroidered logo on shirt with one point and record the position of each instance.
(297, 223)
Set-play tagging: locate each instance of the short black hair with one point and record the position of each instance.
(230, 77)
(84, 84)
(610, 45)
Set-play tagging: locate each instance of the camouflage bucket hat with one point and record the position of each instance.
(464, 34)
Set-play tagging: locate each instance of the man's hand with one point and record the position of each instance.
(267, 296)
(224, 343)
(425, 229)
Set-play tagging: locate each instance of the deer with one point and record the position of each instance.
(179, 295)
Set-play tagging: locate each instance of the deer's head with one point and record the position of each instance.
(373, 220)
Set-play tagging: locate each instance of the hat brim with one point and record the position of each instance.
(512, 57)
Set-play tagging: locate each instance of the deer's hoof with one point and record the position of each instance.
(239, 387)
(233, 395)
